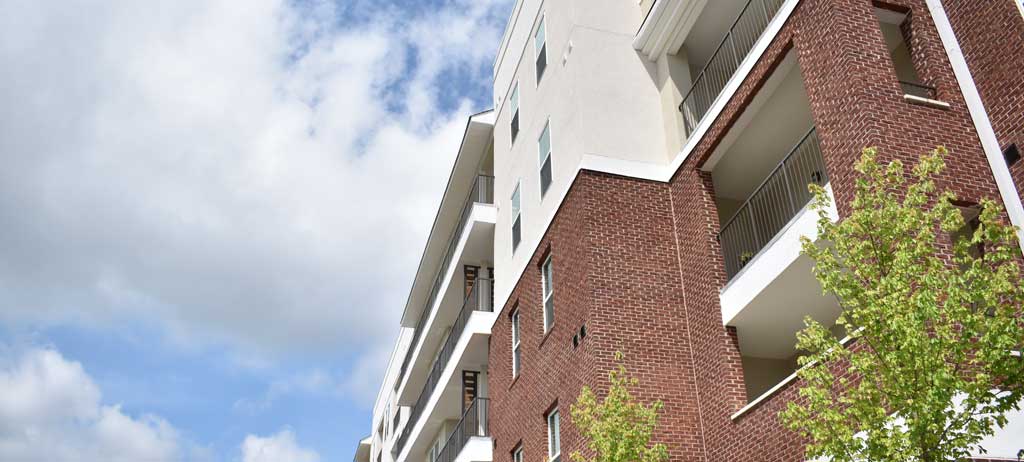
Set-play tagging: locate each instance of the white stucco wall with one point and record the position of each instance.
(600, 95)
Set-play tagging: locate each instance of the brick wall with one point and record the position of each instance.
(991, 35)
(856, 101)
(638, 261)
(615, 268)
(1017, 172)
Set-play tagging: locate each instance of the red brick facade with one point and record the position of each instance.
(615, 270)
(991, 35)
(638, 263)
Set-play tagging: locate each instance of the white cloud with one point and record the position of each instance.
(363, 382)
(50, 410)
(280, 447)
(359, 384)
(243, 172)
(316, 381)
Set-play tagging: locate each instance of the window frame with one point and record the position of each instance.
(516, 215)
(517, 341)
(544, 158)
(514, 119)
(554, 423)
(541, 51)
(517, 453)
(547, 293)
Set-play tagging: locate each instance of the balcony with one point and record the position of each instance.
(479, 300)
(773, 204)
(760, 171)
(772, 286)
(739, 39)
(896, 32)
(762, 166)
(472, 425)
(482, 192)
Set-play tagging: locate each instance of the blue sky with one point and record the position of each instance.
(212, 212)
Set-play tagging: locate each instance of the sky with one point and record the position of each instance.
(211, 212)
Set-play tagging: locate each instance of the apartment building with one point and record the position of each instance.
(640, 186)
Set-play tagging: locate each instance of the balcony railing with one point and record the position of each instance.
(480, 298)
(738, 42)
(773, 204)
(917, 89)
(473, 423)
(482, 193)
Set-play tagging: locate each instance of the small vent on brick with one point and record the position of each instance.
(578, 337)
(1011, 154)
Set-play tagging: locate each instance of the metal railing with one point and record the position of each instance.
(473, 423)
(480, 298)
(918, 89)
(482, 193)
(773, 204)
(735, 46)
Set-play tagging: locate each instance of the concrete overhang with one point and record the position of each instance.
(444, 404)
(476, 142)
(666, 26)
(363, 450)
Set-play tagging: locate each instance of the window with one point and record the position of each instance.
(517, 222)
(514, 110)
(386, 429)
(549, 299)
(517, 454)
(897, 32)
(971, 214)
(516, 355)
(436, 447)
(554, 437)
(1012, 155)
(540, 46)
(544, 151)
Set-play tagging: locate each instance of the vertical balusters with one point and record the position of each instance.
(739, 39)
(773, 204)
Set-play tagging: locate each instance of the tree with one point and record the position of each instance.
(619, 428)
(932, 362)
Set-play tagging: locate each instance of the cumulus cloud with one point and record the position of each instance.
(50, 410)
(260, 173)
(280, 447)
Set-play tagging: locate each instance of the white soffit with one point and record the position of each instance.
(475, 143)
(666, 26)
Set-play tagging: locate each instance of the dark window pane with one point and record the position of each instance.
(542, 61)
(516, 233)
(1012, 155)
(515, 126)
(545, 176)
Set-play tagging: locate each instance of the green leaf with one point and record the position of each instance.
(933, 312)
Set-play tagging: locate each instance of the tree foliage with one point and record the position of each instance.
(618, 428)
(929, 368)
